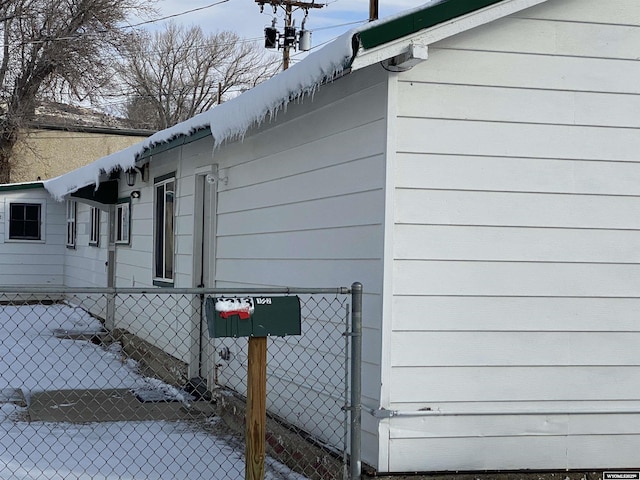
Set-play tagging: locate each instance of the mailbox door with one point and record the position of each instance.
(276, 316)
(272, 316)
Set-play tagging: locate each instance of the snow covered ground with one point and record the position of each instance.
(33, 359)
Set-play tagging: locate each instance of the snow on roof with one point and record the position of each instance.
(232, 119)
(226, 121)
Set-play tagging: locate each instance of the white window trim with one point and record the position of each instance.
(163, 180)
(7, 219)
(71, 223)
(94, 226)
(126, 223)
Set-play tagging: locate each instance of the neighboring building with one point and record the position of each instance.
(42, 240)
(63, 137)
(31, 236)
(486, 197)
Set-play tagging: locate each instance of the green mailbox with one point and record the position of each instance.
(253, 316)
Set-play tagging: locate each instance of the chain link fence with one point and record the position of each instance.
(129, 384)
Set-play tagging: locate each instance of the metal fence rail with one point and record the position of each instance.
(126, 383)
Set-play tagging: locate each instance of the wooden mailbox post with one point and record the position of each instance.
(256, 318)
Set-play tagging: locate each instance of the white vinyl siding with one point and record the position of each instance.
(164, 321)
(32, 262)
(86, 265)
(516, 266)
(304, 205)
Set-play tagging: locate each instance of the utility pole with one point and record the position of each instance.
(373, 10)
(288, 23)
(274, 39)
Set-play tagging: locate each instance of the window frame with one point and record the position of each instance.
(71, 215)
(11, 221)
(122, 222)
(94, 226)
(164, 231)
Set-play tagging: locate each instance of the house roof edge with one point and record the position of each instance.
(428, 24)
(420, 19)
(8, 187)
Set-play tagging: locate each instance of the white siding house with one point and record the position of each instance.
(515, 245)
(85, 260)
(32, 232)
(476, 167)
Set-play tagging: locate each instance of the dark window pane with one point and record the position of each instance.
(119, 224)
(16, 229)
(17, 212)
(24, 221)
(31, 230)
(32, 212)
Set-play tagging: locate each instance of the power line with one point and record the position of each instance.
(123, 27)
(176, 14)
(357, 22)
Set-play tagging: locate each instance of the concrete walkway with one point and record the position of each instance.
(109, 405)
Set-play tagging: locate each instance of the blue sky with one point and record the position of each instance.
(244, 17)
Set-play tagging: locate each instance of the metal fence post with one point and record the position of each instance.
(110, 323)
(110, 320)
(356, 380)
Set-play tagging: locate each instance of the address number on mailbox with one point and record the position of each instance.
(253, 316)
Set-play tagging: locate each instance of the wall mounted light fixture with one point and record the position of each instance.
(215, 177)
(130, 174)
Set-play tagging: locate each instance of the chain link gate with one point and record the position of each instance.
(125, 383)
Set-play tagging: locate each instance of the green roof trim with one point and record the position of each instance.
(20, 186)
(176, 142)
(420, 20)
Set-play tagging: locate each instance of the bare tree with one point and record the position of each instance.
(51, 44)
(180, 72)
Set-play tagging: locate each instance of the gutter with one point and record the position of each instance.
(7, 187)
(422, 19)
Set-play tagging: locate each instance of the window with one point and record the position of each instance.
(123, 222)
(24, 221)
(164, 229)
(94, 236)
(71, 224)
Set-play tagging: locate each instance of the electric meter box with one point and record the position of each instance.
(253, 316)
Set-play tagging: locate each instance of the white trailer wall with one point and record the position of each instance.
(85, 265)
(32, 262)
(304, 207)
(163, 320)
(517, 221)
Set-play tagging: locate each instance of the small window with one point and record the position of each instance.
(71, 224)
(94, 236)
(24, 221)
(123, 222)
(164, 229)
